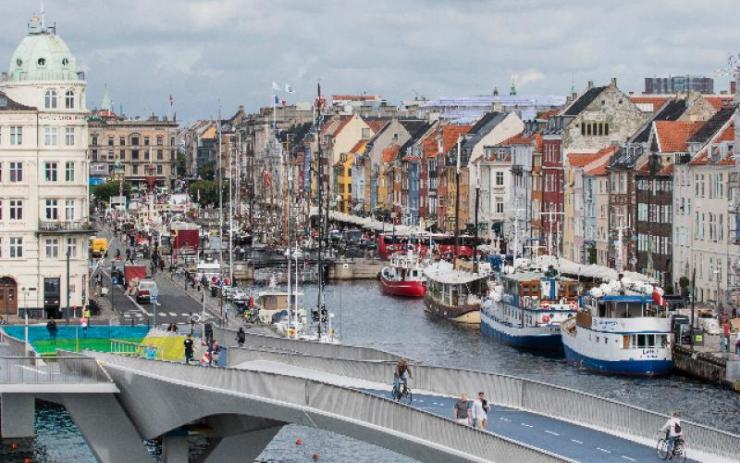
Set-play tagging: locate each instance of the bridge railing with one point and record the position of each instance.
(51, 370)
(537, 397)
(136, 349)
(226, 337)
(332, 407)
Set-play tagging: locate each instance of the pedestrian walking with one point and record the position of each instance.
(208, 331)
(188, 343)
(241, 336)
(726, 336)
(480, 410)
(461, 410)
(51, 327)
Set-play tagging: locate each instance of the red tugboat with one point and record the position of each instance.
(404, 277)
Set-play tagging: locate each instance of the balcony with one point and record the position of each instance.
(58, 226)
(517, 169)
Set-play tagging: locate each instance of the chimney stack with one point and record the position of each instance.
(614, 82)
(590, 84)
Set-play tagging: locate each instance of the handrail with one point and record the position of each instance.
(511, 391)
(51, 370)
(137, 349)
(396, 422)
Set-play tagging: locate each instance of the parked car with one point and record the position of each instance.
(145, 289)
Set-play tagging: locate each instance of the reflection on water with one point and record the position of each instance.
(363, 316)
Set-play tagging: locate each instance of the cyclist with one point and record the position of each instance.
(401, 375)
(672, 429)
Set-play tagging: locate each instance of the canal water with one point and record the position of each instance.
(363, 316)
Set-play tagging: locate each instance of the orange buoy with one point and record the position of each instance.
(315, 457)
(298, 441)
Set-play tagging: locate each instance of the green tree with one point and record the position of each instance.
(207, 171)
(205, 192)
(104, 191)
(181, 164)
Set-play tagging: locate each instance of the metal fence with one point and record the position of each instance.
(536, 397)
(135, 349)
(51, 370)
(351, 412)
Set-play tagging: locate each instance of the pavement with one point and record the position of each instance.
(563, 438)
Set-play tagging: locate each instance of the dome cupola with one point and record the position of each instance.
(42, 56)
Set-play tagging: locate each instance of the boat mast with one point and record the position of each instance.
(457, 206)
(231, 213)
(319, 302)
(220, 218)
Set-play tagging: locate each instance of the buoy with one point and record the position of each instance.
(13, 446)
(315, 457)
(298, 441)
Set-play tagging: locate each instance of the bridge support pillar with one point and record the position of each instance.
(175, 449)
(106, 427)
(16, 415)
(242, 447)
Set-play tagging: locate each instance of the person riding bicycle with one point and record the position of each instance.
(401, 375)
(672, 429)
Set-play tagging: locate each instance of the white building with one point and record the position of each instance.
(43, 177)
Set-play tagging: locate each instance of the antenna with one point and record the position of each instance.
(42, 14)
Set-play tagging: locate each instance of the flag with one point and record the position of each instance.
(172, 101)
(275, 86)
(289, 89)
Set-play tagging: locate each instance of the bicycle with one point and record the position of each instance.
(678, 453)
(403, 395)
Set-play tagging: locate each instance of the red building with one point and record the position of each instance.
(552, 189)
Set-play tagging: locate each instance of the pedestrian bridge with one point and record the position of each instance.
(344, 389)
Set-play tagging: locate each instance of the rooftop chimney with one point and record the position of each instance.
(590, 84)
(614, 82)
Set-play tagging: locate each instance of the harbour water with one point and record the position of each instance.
(363, 316)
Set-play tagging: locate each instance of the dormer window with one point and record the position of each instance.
(65, 62)
(41, 62)
(19, 62)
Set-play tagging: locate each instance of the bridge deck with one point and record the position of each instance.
(563, 438)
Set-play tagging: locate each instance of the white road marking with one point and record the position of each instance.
(527, 425)
(628, 458)
(138, 306)
(603, 450)
(551, 432)
(576, 441)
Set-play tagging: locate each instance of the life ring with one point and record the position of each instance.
(546, 318)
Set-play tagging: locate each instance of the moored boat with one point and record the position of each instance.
(403, 277)
(621, 328)
(454, 294)
(526, 309)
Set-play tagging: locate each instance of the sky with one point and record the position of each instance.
(203, 52)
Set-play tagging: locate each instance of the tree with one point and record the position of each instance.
(207, 171)
(205, 192)
(104, 191)
(181, 164)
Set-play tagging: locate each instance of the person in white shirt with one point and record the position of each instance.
(480, 411)
(672, 428)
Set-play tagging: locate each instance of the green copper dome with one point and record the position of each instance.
(42, 55)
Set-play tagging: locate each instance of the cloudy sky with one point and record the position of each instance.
(201, 51)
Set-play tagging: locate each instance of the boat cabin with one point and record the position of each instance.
(535, 288)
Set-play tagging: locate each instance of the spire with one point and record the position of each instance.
(106, 103)
(512, 92)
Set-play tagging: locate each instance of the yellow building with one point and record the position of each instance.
(344, 174)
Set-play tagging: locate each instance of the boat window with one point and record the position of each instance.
(663, 340)
(606, 339)
(641, 341)
(651, 340)
(626, 341)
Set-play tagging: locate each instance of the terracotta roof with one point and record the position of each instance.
(582, 159)
(667, 170)
(719, 101)
(656, 100)
(548, 114)
(673, 136)
(599, 165)
(359, 147)
(391, 153)
(376, 125)
(518, 139)
(702, 158)
(538, 142)
(344, 121)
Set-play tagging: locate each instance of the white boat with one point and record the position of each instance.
(526, 308)
(622, 328)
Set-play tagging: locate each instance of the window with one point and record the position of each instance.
(134, 155)
(16, 172)
(69, 209)
(50, 171)
(499, 178)
(16, 209)
(122, 154)
(146, 155)
(50, 99)
(69, 171)
(50, 136)
(160, 140)
(72, 247)
(135, 140)
(16, 247)
(110, 141)
(499, 205)
(160, 155)
(52, 248)
(69, 136)
(159, 169)
(122, 141)
(146, 141)
(16, 135)
(94, 140)
(51, 212)
(69, 99)
(135, 169)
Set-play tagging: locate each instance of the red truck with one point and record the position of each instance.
(133, 272)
